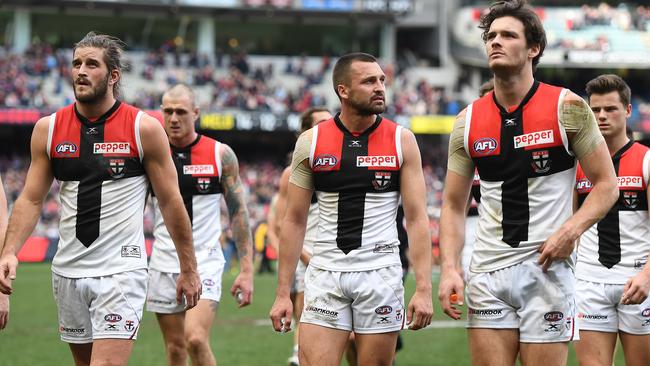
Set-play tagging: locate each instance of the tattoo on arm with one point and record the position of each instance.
(236, 202)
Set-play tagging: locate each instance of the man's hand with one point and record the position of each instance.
(557, 247)
(636, 289)
(281, 314)
(420, 310)
(8, 266)
(451, 282)
(188, 284)
(242, 289)
(4, 311)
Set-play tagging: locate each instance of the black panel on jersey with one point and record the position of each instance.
(189, 185)
(352, 183)
(609, 234)
(514, 167)
(91, 170)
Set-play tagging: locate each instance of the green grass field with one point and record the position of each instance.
(240, 336)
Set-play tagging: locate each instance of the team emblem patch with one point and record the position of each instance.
(541, 162)
(117, 168)
(129, 325)
(381, 181)
(324, 162)
(203, 184)
(66, 148)
(630, 199)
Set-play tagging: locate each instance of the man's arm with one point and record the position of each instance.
(456, 195)
(637, 288)
(597, 165)
(420, 308)
(292, 234)
(4, 299)
(27, 208)
(241, 230)
(162, 174)
(281, 209)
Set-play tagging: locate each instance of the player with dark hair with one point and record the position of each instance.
(523, 138)
(612, 270)
(359, 164)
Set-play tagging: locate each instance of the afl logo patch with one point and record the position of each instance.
(485, 146)
(66, 148)
(325, 162)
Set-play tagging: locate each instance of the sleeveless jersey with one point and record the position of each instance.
(617, 247)
(311, 230)
(199, 177)
(476, 195)
(527, 172)
(356, 180)
(103, 187)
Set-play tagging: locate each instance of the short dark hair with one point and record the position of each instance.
(113, 48)
(518, 9)
(306, 118)
(342, 67)
(608, 83)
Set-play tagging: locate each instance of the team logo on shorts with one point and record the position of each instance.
(383, 310)
(541, 162)
(129, 325)
(383, 320)
(208, 282)
(554, 319)
(203, 184)
(640, 263)
(646, 313)
(117, 168)
(131, 251)
(398, 315)
(381, 181)
(631, 199)
(113, 318)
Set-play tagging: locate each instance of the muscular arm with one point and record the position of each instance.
(292, 233)
(279, 208)
(417, 227)
(597, 165)
(27, 208)
(456, 194)
(162, 174)
(241, 231)
(4, 299)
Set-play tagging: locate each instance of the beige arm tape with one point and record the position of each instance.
(301, 174)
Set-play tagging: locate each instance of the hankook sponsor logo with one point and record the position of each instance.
(485, 313)
(325, 312)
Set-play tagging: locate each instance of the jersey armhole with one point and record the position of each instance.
(560, 123)
(646, 172)
(50, 133)
(138, 139)
(312, 148)
(398, 145)
(217, 158)
(468, 122)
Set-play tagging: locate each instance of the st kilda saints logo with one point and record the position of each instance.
(203, 184)
(630, 199)
(381, 181)
(117, 168)
(541, 162)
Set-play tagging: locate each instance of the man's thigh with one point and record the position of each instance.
(111, 352)
(636, 348)
(321, 346)
(595, 347)
(493, 347)
(376, 349)
(544, 354)
(199, 319)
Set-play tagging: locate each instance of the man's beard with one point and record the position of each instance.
(96, 93)
(367, 109)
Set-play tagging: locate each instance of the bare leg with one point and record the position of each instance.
(595, 348)
(171, 326)
(321, 346)
(376, 349)
(198, 323)
(493, 347)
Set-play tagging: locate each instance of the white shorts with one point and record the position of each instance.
(363, 302)
(100, 307)
(541, 305)
(161, 297)
(600, 309)
(299, 278)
